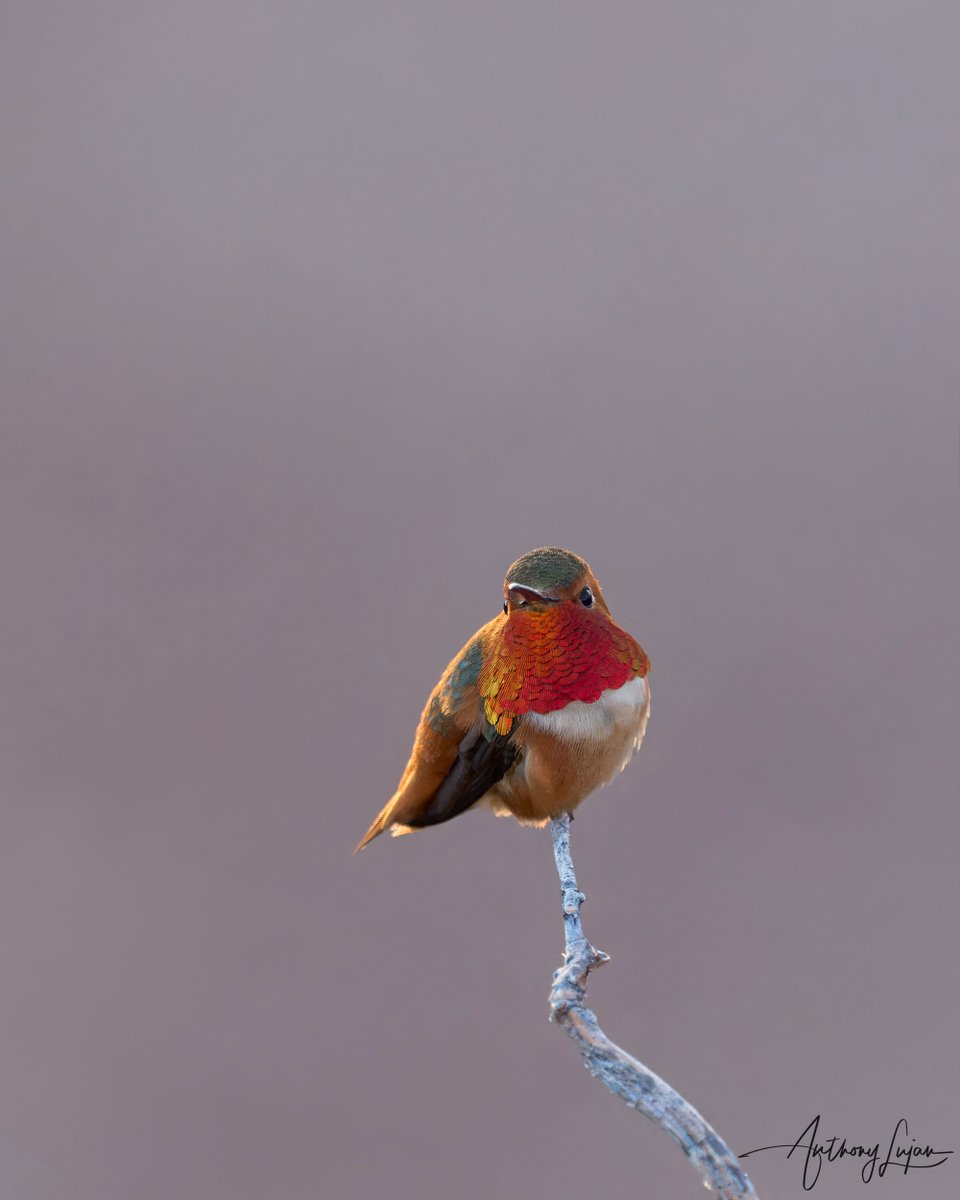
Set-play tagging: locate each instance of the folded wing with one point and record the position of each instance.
(457, 754)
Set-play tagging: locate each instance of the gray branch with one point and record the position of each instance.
(624, 1075)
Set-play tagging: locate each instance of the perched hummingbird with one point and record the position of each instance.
(544, 704)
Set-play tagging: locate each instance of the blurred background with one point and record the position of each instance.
(315, 317)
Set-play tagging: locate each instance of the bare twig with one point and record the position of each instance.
(624, 1075)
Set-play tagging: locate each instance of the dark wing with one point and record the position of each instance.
(457, 754)
(480, 763)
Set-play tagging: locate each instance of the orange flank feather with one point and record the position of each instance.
(448, 716)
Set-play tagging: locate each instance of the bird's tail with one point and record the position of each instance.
(383, 820)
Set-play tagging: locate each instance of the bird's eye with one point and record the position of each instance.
(504, 606)
(586, 598)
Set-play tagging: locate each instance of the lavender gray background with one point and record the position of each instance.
(315, 316)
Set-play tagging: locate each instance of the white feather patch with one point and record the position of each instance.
(617, 708)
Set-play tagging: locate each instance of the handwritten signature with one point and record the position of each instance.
(899, 1155)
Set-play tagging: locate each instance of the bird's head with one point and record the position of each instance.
(550, 577)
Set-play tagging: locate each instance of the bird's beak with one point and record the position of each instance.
(529, 595)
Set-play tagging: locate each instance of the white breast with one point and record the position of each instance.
(569, 753)
(617, 709)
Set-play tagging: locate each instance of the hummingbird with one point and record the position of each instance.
(543, 705)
